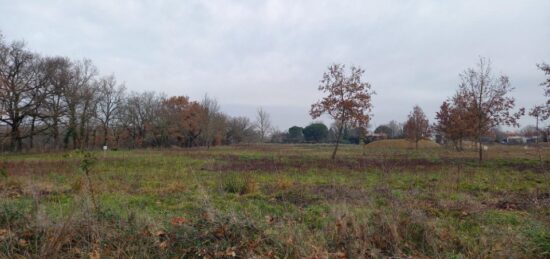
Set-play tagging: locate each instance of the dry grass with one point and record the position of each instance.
(278, 201)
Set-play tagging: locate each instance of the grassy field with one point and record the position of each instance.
(276, 201)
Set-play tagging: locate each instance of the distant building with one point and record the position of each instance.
(375, 136)
(533, 140)
(516, 140)
(487, 140)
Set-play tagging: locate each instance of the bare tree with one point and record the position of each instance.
(396, 129)
(109, 102)
(542, 112)
(263, 123)
(348, 100)
(87, 113)
(58, 80)
(240, 129)
(546, 69)
(417, 126)
(210, 109)
(538, 112)
(488, 95)
(20, 90)
(78, 95)
(140, 114)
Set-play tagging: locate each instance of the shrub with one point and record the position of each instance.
(283, 184)
(239, 184)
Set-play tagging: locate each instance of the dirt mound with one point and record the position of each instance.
(401, 144)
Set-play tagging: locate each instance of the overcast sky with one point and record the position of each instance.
(273, 53)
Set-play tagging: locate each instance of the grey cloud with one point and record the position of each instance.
(273, 53)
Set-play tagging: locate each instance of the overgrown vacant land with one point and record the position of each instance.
(276, 201)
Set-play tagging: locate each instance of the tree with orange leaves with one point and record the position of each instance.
(491, 104)
(348, 99)
(417, 126)
(454, 120)
(183, 119)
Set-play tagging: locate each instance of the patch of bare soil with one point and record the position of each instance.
(533, 167)
(233, 163)
(38, 167)
(19, 168)
(524, 201)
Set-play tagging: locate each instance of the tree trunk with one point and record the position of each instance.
(538, 132)
(14, 138)
(337, 141)
(480, 150)
(105, 132)
(416, 144)
(31, 136)
(55, 128)
(86, 142)
(94, 137)
(71, 131)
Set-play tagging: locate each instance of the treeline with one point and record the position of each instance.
(49, 103)
(318, 132)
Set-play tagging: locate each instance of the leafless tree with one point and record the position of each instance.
(396, 128)
(546, 69)
(139, 115)
(58, 74)
(263, 123)
(20, 90)
(79, 94)
(110, 100)
(240, 129)
(210, 109)
(539, 113)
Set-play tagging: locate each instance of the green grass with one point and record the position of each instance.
(276, 201)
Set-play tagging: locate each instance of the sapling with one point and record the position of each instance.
(86, 164)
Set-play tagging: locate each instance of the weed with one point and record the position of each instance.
(234, 183)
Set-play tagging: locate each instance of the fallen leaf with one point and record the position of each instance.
(163, 245)
(220, 232)
(230, 252)
(23, 243)
(178, 221)
(269, 219)
(4, 234)
(76, 253)
(94, 254)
